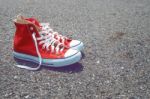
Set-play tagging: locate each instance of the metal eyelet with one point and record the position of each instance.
(31, 28)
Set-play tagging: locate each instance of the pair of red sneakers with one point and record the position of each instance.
(37, 42)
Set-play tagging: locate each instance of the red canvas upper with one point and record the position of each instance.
(23, 42)
(36, 22)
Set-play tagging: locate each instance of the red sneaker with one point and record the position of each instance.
(69, 43)
(32, 44)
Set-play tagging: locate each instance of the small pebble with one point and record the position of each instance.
(27, 96)
(98, 62)
(15, 77)
(122, 67)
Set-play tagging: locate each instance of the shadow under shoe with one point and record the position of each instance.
(74, 68)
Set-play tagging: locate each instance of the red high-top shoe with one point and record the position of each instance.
(69, 43)
(32, 44)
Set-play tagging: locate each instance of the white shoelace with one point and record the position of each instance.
(47, 41)
(46, 27)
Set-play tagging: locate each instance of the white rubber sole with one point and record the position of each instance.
(50, 62)
(78, 47)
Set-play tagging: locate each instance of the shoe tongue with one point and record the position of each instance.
(34, 21)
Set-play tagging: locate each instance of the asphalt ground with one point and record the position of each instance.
(116, 61)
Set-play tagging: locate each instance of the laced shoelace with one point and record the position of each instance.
(46, 27)
(46, 41)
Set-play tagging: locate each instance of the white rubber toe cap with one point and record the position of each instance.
(70, 52)
(74, 43)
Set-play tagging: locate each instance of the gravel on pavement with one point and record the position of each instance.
(116, 62)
